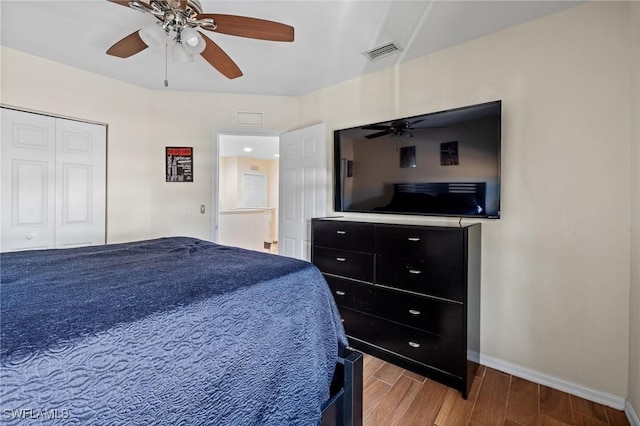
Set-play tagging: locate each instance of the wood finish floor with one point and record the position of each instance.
(394, 396)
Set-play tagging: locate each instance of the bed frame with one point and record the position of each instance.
(344, 407)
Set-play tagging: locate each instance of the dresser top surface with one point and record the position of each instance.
(397, 221)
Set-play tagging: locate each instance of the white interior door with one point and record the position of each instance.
(28, 180)
(80, 183)
(303, 188)
(254, 190)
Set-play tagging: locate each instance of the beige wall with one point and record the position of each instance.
(34, 83)
(634, 334)
(141, 123)
(556, 267)
(192, 124)
(274, 195)
(228, 190)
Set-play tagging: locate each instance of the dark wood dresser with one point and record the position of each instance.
(408, 294)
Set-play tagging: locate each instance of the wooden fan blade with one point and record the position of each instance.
(125, 3)
(243, 26)
(120, 2)
(377, 135)
(218, 59)
(375, 127)
(128, 46)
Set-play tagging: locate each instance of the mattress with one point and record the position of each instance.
(165, 331)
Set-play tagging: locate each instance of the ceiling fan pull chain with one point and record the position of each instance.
(166, 60)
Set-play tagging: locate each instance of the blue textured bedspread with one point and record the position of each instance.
(167, 331)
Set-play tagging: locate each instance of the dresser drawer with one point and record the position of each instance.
(344, 263)
(429, 349)
(430, 315)
(442, 246)
(434, 316)
(353, 295)
(421, 276)
(350, 236)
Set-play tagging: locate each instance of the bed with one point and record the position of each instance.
(172, 331)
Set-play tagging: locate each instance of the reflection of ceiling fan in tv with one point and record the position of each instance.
(402, 128)
(396, 128)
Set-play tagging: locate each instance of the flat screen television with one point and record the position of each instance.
(444, 163)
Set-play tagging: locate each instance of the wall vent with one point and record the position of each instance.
(249, 119)
(380, 51)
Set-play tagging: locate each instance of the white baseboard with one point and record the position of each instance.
(631, 415)
(604, 398)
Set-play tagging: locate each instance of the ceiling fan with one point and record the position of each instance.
(396, 128)
(177, 22)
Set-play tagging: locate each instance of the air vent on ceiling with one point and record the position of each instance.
(380, 51)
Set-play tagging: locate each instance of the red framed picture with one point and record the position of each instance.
(179, 164)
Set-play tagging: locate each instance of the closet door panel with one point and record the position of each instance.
(80, 183)
(53, 188)
(28, 180)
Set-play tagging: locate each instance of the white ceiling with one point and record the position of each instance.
(263, 147)
(330, 37)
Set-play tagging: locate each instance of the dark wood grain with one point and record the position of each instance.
(556, 404)
(394, 404)
(425, 406)
(491, 403)
(128, 46)
(409, 399)
(523, 402)
(616, 417)
(588, 408)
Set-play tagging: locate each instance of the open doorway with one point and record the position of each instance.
(248, 181)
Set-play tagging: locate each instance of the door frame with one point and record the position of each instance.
(215, 166)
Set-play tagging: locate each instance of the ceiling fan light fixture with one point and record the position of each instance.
(180, 54)
(177, 23)
(154, 36)
(192, 41)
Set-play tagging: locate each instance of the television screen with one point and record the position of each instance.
(445, 163)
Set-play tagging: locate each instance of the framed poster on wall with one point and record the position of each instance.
(449, 153)
(179, 164)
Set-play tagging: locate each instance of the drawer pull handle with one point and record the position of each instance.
(414, 344)
(414, 312)
(341, 232)
(415, 271)
(341, 259)
(414, 239)
(340, 293)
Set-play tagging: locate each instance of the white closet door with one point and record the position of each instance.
(28, 181)
(80, 183)
(53, 182)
